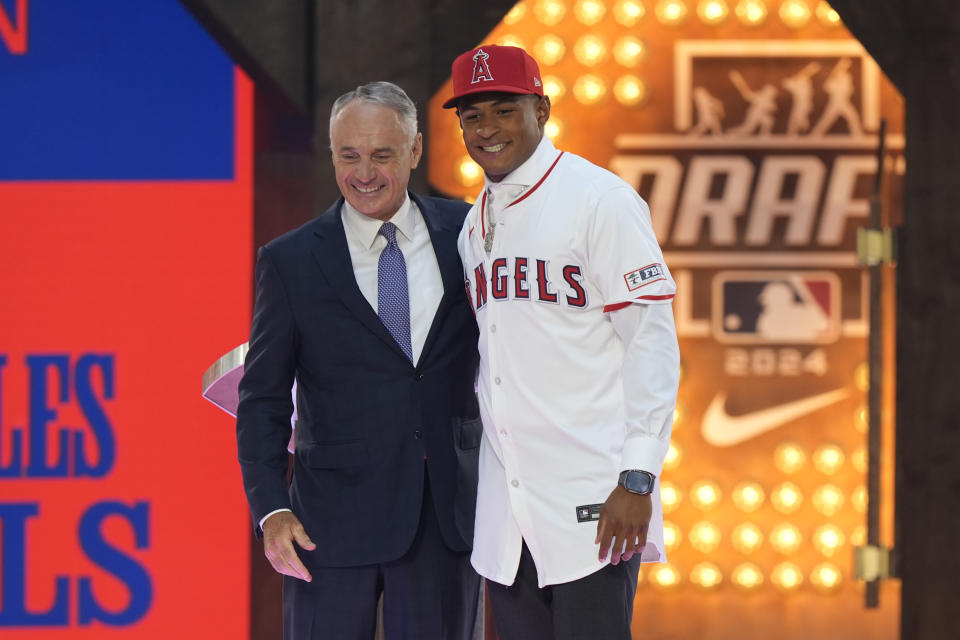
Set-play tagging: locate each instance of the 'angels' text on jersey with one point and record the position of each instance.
(521, 278)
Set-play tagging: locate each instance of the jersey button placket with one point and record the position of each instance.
(495, 357)
(498, 358)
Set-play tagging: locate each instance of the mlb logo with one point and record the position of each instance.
(776, 307)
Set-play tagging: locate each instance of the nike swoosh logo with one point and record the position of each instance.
(723, 430)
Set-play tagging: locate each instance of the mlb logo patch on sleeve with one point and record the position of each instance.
(643, 276)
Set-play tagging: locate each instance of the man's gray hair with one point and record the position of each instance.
(383, 93)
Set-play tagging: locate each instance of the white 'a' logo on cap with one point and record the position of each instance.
(481, 70)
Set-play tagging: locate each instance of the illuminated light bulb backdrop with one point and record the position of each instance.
(749, 126)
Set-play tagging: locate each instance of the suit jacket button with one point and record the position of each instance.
(417, 435)
(419, 376)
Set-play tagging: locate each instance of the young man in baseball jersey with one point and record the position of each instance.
(579, 365)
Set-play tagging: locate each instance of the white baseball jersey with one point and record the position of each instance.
(572, 243)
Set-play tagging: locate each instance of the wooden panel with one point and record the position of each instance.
(928, 341)
(270, 40)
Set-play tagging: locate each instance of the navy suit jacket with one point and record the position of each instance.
(366, 415)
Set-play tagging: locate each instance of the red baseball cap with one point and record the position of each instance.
(492, 67)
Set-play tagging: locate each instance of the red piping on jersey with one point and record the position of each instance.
(483, 223)
(483, 201)
(622, 305)
(534, 187)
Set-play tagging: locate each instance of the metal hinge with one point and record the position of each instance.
(872, 562)
(875, 246)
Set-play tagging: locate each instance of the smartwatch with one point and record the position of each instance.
(638, 482)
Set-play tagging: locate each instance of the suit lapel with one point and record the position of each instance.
(333, 256)
(444, 240)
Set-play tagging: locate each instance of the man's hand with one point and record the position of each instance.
(622, 528)
(279, 532)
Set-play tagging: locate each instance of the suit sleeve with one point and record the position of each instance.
(263, 414)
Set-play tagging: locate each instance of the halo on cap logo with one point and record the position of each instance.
(481, 70)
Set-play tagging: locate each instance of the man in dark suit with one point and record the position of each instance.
(365, 308)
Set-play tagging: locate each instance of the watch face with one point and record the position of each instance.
(639, 482)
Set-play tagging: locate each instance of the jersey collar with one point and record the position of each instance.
(528, 173)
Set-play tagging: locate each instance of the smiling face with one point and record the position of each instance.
(502, 130)
(373, 155)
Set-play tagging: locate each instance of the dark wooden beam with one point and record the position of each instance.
(271, 41)
(458, 26)
(928, 339)
(877, 25)
(917, 44)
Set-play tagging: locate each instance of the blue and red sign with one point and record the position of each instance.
(125, 235)
(112, 90)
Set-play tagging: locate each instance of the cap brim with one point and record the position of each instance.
(452, 102)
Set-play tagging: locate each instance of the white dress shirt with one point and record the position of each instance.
(423, 272)
(424, 281)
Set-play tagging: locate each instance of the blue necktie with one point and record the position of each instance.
(393, 298)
